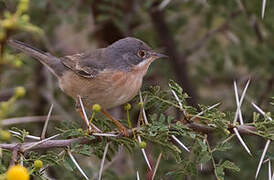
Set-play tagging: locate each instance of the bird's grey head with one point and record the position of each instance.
(130, 52)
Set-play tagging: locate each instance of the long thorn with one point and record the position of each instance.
(261, 111)
(105, 134)
(143, 109)
(156, 166)
(84, 112)
(180, 143)
(263, 8)
(86, 117)
(27, 136)
(241, 141)
(262, 158)
(40, 142)
(202, 112)
(163, 4)
(241, 101)
(144, 154)
(77, 165)
(177, 99)
(238, 104)
(103, 161)
(137, 175)
(43, 134)
(269, 169)
(267, 142)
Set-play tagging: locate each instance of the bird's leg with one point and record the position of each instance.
(120, 126)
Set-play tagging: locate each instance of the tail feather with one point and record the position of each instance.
(53, 63)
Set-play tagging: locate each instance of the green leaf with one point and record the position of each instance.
(230, 165)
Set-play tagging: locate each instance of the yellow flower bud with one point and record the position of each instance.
(96, 108)
(8, 24)
(18, 63)
(17, 172)
(127, 107)
(38, 164)
(4, 106)
(4, 135)
(142, 144)
(20, 91)
(140, 104)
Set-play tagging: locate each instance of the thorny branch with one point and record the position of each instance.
(243, 129)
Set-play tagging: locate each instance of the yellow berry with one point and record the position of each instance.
(4, 135)
(96, 107)
(17, 172)
(127, 107)
(20, 91)
(38, 164)
(142, 144)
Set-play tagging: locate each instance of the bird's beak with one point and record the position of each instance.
(158, 55)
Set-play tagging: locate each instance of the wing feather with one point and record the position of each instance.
(87, 65)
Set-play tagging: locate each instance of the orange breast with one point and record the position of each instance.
(108, 89)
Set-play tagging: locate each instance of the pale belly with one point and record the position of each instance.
(116, 90)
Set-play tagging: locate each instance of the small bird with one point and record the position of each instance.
(108, 76)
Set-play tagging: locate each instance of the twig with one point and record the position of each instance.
(14, 154)
(43, 134)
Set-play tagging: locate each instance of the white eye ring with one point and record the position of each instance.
(142, 53)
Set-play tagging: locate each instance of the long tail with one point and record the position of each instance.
(53, 63)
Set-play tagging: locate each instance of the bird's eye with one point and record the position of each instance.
(142, 53)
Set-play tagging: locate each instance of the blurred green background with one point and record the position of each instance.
(210, 43)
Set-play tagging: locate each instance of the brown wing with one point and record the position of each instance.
(85, 64)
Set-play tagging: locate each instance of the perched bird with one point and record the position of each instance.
(108, 76)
